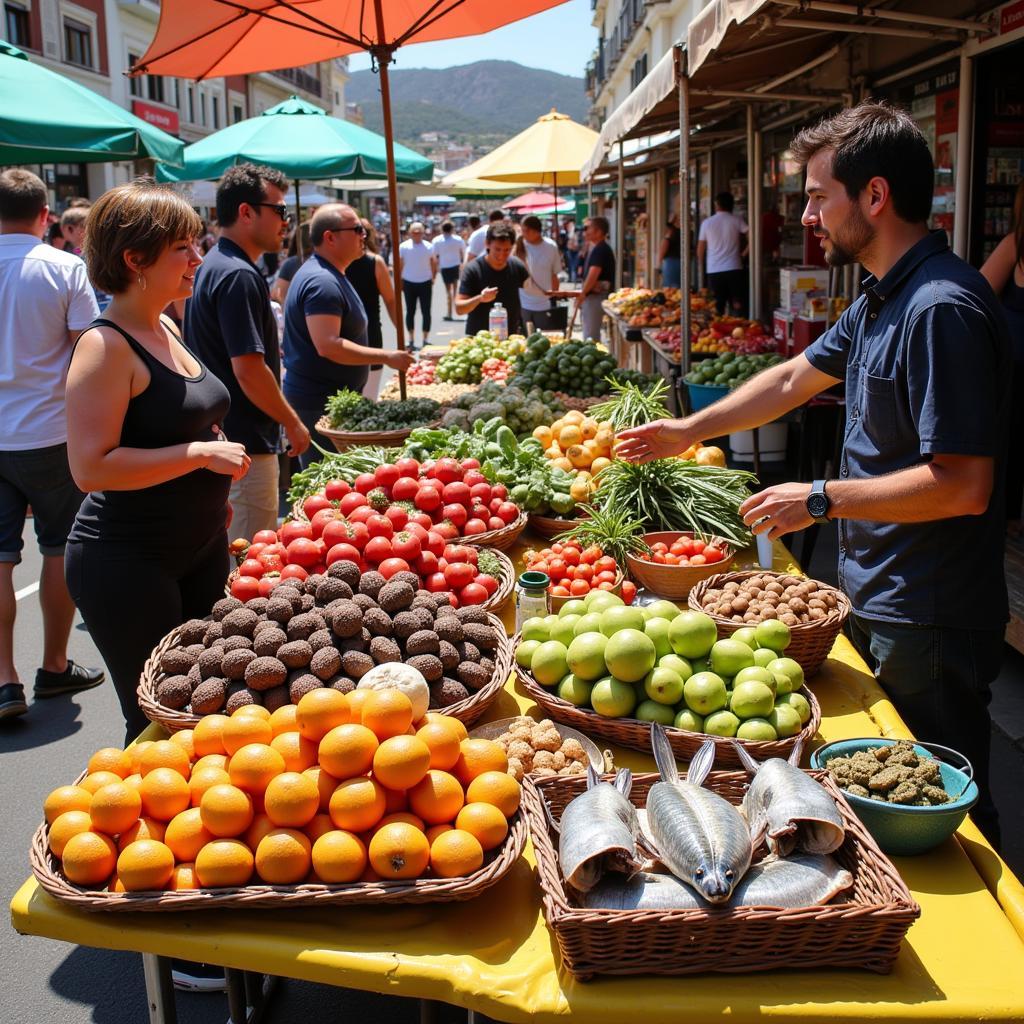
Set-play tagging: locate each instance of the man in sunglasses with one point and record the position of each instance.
(230, 325)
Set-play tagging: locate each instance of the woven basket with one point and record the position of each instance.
(581, 404)
(500, 540)
(674, 581)
(549, 526)
(298, 512)
(345, 439)
(629, 732)
(467, 711)
(811, 642)
(862, 929)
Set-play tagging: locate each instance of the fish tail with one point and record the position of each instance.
(663, 756)
(701, 764)
(624, 781)
(797, 752)
(745, 759)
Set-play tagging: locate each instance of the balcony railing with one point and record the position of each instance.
(302, 79)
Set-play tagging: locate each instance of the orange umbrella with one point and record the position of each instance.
(211, 38)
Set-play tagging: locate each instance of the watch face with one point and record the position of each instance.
(817, 505)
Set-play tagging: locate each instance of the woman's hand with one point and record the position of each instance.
(399, 359)
(657, 440)
(225, 457)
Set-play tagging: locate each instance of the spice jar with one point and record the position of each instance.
(531, 597)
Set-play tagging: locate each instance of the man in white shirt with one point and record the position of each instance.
(723, 240)
(419, 269)
(449, 250)
(46, 301)
(544, 261)
(477, 243)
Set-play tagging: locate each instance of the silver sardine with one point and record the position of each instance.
(598, 831)
(789, 808)
(700, 836)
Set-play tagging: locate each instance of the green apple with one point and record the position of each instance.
(689, 720)
(660, 609)
(763, 657)
(612, 698)
(755, 674)
(653, 711)
(575, 606)
(524, 652)
(536, 629)
(721, 723)
(548, 663)
(657, 630)
(773, 634)
(704, 693)
(730, 656)
(575, 690)
(562, 630)
(751, 700)
(591, 623)
(678, 665)
(756, 729)
(664, 686)
(585, 655)
(745, 635)
(785, 720)
(692, 634)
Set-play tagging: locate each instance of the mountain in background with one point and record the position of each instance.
(480, 104)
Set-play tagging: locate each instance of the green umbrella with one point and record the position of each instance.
(47, 118)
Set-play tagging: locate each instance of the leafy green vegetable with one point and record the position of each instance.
(632, 406)
(348, 410)
(338, 466)
(616, 531)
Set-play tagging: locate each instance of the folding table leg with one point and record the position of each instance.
(248, 993)
(159, 989)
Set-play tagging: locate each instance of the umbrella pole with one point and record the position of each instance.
(554, 220)
(298, 223)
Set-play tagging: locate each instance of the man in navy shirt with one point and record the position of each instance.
(230, 325)
(925, 357)
(325, 346)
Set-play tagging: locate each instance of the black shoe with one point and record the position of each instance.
(195, 977)
(12, 700)
(73, 679)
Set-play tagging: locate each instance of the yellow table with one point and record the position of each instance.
(963, 960)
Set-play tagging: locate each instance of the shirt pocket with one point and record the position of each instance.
(878, 407)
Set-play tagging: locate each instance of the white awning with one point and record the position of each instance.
(706, 32)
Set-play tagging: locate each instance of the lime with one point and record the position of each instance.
(548, 663)
(791, 668)
(678, 665)
(785, 720)
(773, 634)
(721, 723)
(763, 657)
(618, 617)
(730, 656)
(799, 703)
(664, 686)
(692, 634)
(551, 621)
(704, 693)
(661, 609)
(657, 629)
(751, 700)
(524, 652)
(573, 607)
(746, 635)
(688, 720)
(598, 600)
(574, 690)
(653, 711)
(536, 629)
(756, 729)
(562, 630)
(591, 623)
(612, 698)
(755, 674)
(629, 655)
(585, 656)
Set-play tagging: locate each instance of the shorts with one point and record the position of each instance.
(450, 275)
(39, 477)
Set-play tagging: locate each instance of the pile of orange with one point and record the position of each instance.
(338, 788)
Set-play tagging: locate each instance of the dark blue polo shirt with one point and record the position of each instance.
(925, 355)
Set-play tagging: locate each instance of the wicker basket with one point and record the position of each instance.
(629, 732)
(580, 404)
(500, 540)
(497, 864)
(345, 439)
(467, 711)
(863, 929)
(811, 642)
(549, 526)
(674, 581)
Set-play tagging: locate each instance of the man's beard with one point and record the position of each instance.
(858, 236)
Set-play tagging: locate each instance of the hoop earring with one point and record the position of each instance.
(142, 281)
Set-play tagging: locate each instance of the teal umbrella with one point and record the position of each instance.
(47, 118)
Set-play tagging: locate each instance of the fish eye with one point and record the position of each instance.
(730, 875)
(699, 873)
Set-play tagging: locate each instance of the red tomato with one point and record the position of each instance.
(480, 492)
(495, 523)
(245, 588)
(558, 547)
(605, 564)
(698, 560)
(698, 547)
(493, 505)
(294, 529)
(398, 516)
(253, 550)
(417, 531)
(265, 537)
(489, 583)
(457, 493)
(446, 470)
(252, 567)
(499, 491)
(455, 514)
(336, 489)
(406, 545)
(427, 499)
(713, 554)
(459, 574)
(571, 555)
(433, 542)
(408, 468)
(659, 545)
(343, 553)
(658, 557)
(436, 583)
(268, 583)
(671, 559)
(390, 566)
(579, 587)
(460, 553)
(273, 561)
(303, 551)
(474, 477)
(473, 593)
(404, 489)
(426, 564)
(377, 549)
(542, 566)
(607, 576)
(380, 526)
(293, 572)
(322, 518)
(474, 527)
(628, 591)
(351, 502)
(604, 586)
(560, 591)
(584, 572)
(314, 503)
(508, 512)
(480, 512)
(386, 476)
(556, 568)
(421, 519)
(467, 464)
(446, 531)
(590, 556)
(365, 482)
(361, 514)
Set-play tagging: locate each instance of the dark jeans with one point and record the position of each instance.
(939, 680)
(131, 596)
(730, 290)
(421, 292)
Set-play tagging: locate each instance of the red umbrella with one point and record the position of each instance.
(532, 201)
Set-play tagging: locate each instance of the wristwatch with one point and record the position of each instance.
(818, 503)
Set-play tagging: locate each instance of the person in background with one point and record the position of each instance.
(369, 276)
(496, 276)
(45, 300)
(722, 241)
(598, 276)
(572, 249)
(668, 254)
(208, 238)
(449, 249)
(55, 237)
(477, 242)
(230, 325)
(72, 226)
(292, 262)
(419, 270)
(472, 223)
(1004, 271)
(543, 261)
(325, 337)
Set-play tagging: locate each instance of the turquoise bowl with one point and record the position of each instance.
(899, 829)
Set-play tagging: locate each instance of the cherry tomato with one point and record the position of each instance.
(245, 588)
(579, 587)
(390, 566)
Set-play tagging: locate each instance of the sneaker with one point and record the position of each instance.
(12, 700)
(73, 679)
(195, 977)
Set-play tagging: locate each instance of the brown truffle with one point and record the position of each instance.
(383, 648)
(176, 661)
(378, 622)
(301, 685)
(446, 692)
(193, 631)
(325, 663)
(395, 595)
(473, 676)
(423, 641)
(295, 653)
(208, 697)
(265, 673)
(240, 622)
(485, 637)
(234, 663)
(371, 583)
(174, 692)
(303, 625)
(356, 664)
(346, 571)
(223, 607)
(428, 665)
(210, 662)
(472, 613)
(267, 642)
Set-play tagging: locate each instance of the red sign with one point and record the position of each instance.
(1011, 17)
(159, 116)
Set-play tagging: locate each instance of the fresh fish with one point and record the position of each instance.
(806, 880)
(700, 836)
(598, 831)
(790, 808)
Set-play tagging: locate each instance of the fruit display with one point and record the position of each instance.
(745, 337)
(668, 340)
(466, 357)
(423, 371)
(440, 391)
(576, 570)
(537, 748)
(335, 789)
(348, 410)
(519, 408)
(731, 370)
(577, 368)
(686, 550)
(660, 664)
(645, 307)
(580, 446)
(790, 599)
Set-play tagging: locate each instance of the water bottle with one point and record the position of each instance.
(497, 321)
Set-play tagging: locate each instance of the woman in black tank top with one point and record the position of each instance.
(148, 549)
(369, 276)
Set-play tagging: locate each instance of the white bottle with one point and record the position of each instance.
(497, 321)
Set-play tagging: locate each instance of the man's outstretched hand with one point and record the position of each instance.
(657, 440)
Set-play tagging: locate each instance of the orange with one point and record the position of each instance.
(135, 781)
(326, 784)
(66, 825)
(226, 810)
(406, 817)
(401, 761)
(65, 798)
(252, 709)
(399, 850)
(437, 797)
(145, 864)
(97, 780)
(497, 788)
(455, 853)
(186, 834)
(283, 720)
(144, 828)
(184, 739)
(356, 700)
(443, 742)
(115, 884)
(320, 825)
(203, 778)
(260, 826)
(164, 754)
(206, 736)
(347, 750)
(115, 808)
(211, 761)
(357, 804)
(298, 752)
(319, 711)
(433, 717)
(135, 752)
(477, 757)
(338, 856)
(395, 800)
(291, 800)
(485, 822)
(387, 712)
(183, 877)
(253, 766)
(224, 862)
(435, 830)
(111, 759)
(283, 857)
(240, 730)
(88, 858)
(164, 794)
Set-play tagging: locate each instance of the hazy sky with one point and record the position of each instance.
(561, 39)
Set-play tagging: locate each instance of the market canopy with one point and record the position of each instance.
(204, 193)
(47, 118)
(533, 201)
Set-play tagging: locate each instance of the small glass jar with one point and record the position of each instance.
(531, 597)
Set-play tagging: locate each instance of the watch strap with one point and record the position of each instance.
(818, 487)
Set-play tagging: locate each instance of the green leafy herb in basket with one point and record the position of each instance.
(345, 466)
(616, 531)
(348, 410)
(632, 406)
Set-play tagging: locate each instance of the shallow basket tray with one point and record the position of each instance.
(467, 711)
(674, 581)
(862, 928)
(810, 643)
(550, 526)
(500, 540)
(345, 439)
(632, 733)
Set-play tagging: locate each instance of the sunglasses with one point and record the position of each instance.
(280, 208)
(357, 228)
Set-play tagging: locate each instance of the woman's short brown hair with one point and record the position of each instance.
(144, 218)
